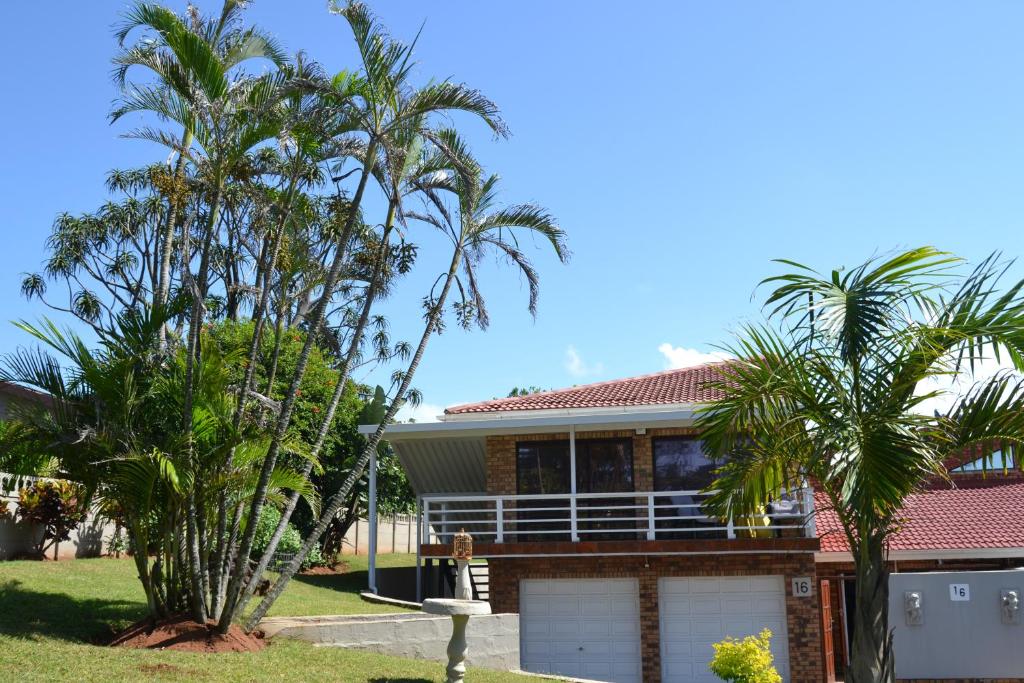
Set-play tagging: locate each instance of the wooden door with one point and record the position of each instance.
(826, 632)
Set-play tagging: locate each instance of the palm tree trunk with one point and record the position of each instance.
(195, 563)
(871, 658)
(328, 421)
(195, 325)
(338, 499)
(164, 279)
(259, 316)
(284, 419)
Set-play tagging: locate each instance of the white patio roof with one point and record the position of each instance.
(449, 456)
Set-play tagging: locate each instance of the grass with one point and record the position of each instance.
(56, 615)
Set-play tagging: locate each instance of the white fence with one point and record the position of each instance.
(394, 535)
(662, 515)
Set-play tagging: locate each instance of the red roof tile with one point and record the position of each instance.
(945, 519)
(685, 385)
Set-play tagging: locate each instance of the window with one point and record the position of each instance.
(604, 465)
(680, 465)
(999, 460)
(542, 467)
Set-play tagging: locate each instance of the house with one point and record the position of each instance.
(14, 396)
(586, 504)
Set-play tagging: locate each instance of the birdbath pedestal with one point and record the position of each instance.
(460, 609)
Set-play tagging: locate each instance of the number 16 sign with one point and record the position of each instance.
(960, 592)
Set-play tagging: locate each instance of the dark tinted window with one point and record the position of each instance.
(680, 465)
(604, 465)
(542, 467)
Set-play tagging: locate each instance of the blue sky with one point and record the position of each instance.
(682, 145)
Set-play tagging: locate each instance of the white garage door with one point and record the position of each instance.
(698, 611)
(585, 628)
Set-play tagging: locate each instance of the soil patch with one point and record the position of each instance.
(340, 568)
(183, 634)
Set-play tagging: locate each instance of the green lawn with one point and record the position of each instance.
(52, 614)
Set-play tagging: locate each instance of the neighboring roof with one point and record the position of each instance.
(671, 387)
(19, 392)
(979, 517)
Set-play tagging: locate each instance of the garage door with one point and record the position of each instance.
(585, 628)
(696, 612)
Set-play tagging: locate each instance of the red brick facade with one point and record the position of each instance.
(647, 561)
(802, 619)
(740, 557)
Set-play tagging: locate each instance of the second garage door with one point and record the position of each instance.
(586, 628)
(698, 611)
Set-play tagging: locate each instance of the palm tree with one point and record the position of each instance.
(476, 226)
(404, 169)
(379, 104)
(183, 53)
(114, 427)
(836, 398)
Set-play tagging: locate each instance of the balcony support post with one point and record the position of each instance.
(499, 511)
(573, 528)
(650, 517)
(419, 551)
(810, 526)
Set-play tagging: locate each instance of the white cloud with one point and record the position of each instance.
(577, 367)
(681, 357)
(424, 412)
(952, 388)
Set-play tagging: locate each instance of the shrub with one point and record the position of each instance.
(745, 661)
(290, 543)
(3, 508)
(56, 506)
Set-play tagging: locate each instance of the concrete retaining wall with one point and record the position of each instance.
(493, 639)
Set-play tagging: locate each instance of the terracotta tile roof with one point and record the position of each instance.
(982, 516)
(685, 385)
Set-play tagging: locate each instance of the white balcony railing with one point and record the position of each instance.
(662, 515)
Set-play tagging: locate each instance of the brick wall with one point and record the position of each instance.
(802, 614)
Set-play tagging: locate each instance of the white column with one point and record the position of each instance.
(419, 558)
(574, 534)
(373, 523)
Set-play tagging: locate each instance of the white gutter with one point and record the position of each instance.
(565, 412)
(621, 418)
(937, 554)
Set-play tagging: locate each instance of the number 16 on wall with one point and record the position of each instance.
(960, 592)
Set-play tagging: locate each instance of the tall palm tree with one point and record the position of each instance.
(836, 398)
(380, 103)
(183, 52)
(404, 169)
(475, 226)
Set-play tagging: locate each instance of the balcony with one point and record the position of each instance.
(631, 521)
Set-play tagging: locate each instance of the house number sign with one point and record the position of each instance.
(960, 592)
(802, 587)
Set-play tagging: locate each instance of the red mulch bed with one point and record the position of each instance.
(340, 568)
(183, 634)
